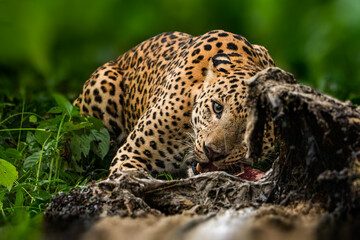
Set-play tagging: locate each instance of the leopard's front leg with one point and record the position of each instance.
(157, 143)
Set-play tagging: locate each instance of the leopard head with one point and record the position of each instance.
(219, 116)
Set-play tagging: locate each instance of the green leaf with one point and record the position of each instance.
(42, 182)
(96, 123)
(43, 196)
(2, 195)
(11, 155)
(70, 126)
(32, 159)
(165, 176)
(31, 141)
(101, 142)
(2, 152)
(33, 119)
(51, 125)
(75, 112)
(19, 200)
(63, 103)
(8, 174)
(30, 137)
(42, 136)
(80, 144)
(55, 110)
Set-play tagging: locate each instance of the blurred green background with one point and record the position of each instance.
(54, 45)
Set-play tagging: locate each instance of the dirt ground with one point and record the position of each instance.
(267, 222)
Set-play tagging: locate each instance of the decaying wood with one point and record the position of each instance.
(318, 164)
(319, 137)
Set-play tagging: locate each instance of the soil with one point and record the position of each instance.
(267, 222)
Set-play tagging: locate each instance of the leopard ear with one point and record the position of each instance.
(218, 63)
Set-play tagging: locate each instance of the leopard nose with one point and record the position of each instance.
(212, 155)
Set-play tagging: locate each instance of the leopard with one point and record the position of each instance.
(176, 102)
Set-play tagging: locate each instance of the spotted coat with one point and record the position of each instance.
(156, 95)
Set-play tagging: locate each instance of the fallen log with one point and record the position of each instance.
(319, 138)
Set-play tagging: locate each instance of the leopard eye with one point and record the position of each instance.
(217, 108)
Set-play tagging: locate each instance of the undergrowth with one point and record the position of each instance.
(44, 152)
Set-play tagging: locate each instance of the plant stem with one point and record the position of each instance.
(21, 122)
(57, 143)
(17, 114)
(39, 165)
(32, 198)
(24, 129)
(2, 205)
(2, 211)
(57, 155)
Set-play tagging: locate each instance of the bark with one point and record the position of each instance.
(319, 139)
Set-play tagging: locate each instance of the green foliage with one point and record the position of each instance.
(165, 176)
(64, 104)
(8, 174)
(41, 155)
